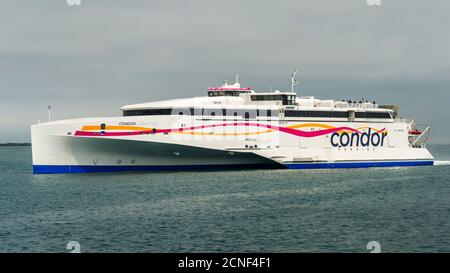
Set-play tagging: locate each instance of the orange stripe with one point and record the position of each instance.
(114, 127)
(136, 128)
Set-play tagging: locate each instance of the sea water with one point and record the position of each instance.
(402, 209)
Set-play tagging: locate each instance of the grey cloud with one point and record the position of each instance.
(90, 60)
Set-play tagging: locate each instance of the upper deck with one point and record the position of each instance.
(223, 100)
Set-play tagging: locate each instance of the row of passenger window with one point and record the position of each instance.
(336, 114)
(286, 99)
(255, 113)
(204, 112)
(372, 115)
(316, 114)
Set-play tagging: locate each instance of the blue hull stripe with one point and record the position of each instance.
(335, 165)
(52, 169)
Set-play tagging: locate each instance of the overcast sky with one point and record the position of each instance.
(91, 59)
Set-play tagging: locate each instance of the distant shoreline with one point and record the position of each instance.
(15, 144)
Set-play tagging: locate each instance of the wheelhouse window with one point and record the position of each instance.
(286, 99)
(374, 115)
(232, 93)
(316, 114)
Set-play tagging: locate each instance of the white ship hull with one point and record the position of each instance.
(187, 143)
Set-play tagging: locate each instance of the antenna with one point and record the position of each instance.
(237, 78)
(294, 82)
(49, 113)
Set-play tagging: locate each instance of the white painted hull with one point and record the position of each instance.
(77, 146)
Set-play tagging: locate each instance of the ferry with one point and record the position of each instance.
(233, 127)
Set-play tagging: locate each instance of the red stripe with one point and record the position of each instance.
(281, 129)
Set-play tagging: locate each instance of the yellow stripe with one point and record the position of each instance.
(114, 127)
(259, 132)
(222, 134)
(296, 126)
(315, 125)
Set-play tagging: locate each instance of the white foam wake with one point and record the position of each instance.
(442, 162)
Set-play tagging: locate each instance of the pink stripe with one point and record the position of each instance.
(379, 131)
(291, 131)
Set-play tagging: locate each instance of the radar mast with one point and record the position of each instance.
(294, 82)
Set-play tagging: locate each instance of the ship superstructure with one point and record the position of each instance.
(233, 127)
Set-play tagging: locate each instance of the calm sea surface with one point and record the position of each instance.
(404, 209)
